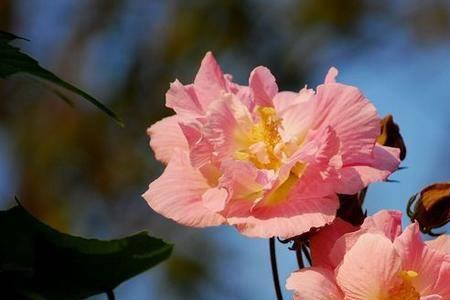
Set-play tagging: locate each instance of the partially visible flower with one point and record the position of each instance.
(390, 135)
(432, 206)
(375, 262)
(268, 162)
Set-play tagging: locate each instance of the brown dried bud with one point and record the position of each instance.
(350, 209)
(432, 206)
(390, 135)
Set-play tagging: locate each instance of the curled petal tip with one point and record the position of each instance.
(331, 75)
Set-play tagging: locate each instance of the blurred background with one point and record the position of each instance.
(81, 173)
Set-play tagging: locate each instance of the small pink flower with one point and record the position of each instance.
(268, 162)
(376, 262)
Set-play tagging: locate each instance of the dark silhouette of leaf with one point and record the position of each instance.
(13, 61)
(38, 262)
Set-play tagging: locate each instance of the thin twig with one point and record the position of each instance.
(307, 255)
(110, 295)
(273, 263)
(300, 262)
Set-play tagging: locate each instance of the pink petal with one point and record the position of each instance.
(262, 86)
(244, 181)
(352, 116)
(427, 262)
(283, 100)
(200, 149)
(331, 75)
(441, 286)
(383, 162)
(314, 284)
(185, 207)
(384, 222)
(287, 219)
(228, 125)
(215, 199)
(183, 100)
(323, 241)
(241, 91)
(369, 269)
(209, 83)
(318, 178)
(165, 137)
(296, 113)
(318, 154)
(329, 147)
(385, 158)
(431, 297)
(441, 243)
(388, 222)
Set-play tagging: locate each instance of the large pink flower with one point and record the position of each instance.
(375, 262)
(268, 162)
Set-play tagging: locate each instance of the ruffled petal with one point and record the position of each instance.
(263, 86)
(296, 113)
(228, 126)
(369, 269)
(185, 207)
(287, 219)
(423, 260)
(353, 117)
(243, 180)
(215, 199)
(441, 287)
(354, 178)
(241, 91)
(183, 100)
(441, 243)
(387, 223)
(283, 100)
(209, 83)
(331, 75)
(165, 137)
(323, 241)
(314, 284)
(200, 149)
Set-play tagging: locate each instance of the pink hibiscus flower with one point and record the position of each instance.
(268, 162)
(375, 262)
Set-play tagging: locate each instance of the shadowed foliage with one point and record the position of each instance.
(38, 262)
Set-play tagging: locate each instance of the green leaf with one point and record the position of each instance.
(13, 61)
(38, 262)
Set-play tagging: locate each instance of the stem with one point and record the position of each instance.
(300, 262)
(273, 262)
(110, 295)
(307, 254)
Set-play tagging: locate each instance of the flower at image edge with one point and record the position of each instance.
(376, 261)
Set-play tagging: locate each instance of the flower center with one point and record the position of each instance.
(404, 290)
(281, 193)
(262, 141)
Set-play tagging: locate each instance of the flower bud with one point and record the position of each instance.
(390, 135)
(432, 206)
(350, 209)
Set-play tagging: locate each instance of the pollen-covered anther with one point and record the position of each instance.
(405, 290)
(264, 140)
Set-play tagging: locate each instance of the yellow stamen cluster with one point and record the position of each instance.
(405, 290)
(263, 134)
(262, 146)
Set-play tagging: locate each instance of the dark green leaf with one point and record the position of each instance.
(13, 61)
(38, 262)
